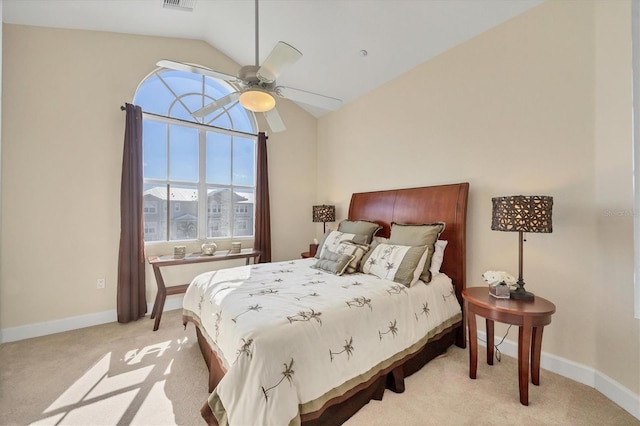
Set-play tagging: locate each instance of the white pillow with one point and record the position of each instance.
(438, 257)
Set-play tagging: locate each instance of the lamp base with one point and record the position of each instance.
(521, 294)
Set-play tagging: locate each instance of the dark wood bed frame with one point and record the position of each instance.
(443, 203)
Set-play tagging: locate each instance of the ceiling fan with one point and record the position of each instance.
(256, 84)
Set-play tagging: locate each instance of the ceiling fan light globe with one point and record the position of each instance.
(257, 101)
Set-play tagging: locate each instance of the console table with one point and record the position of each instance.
(170, 260)
(529, 316)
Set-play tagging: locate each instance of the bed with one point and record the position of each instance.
(296, 342)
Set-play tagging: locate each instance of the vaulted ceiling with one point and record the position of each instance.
(332, 34)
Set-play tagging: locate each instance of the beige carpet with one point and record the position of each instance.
(128, 374)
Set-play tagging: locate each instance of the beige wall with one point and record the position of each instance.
(617, 336)
(61, 162)
(538, 105)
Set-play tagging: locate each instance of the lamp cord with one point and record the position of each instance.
(498, 354)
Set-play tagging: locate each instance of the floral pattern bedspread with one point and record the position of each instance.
(291, 337)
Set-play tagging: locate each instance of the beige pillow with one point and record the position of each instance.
(418, 235)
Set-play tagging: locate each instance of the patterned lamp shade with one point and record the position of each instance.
(522, 213)
(324, 213)
(526, 213)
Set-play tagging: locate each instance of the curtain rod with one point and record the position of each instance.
(123, 108)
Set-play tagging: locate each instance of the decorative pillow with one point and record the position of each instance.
(438, 257)
(331, 239)
(418, 235)
(355, 249)
(401, 264)
(333, 263)
(360, 227)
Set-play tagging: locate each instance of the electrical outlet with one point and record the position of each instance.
(102, 283)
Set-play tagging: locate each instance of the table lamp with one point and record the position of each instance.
(324, 214)
(522, 213)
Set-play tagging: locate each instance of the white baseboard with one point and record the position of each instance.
(72, 323)
(577, 372)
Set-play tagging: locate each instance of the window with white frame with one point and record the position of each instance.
(199, 171)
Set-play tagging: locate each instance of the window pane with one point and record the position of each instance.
(179, 111)
(194, 102)
(183, 202)
(216, 89)
(243, 213)
(243, 161)
(154, 142)
(183, 154)
(155, 212)
(154, 96)
(219, 209)
(218, 158)
(241, 119)
(219, 118)
(182, 82)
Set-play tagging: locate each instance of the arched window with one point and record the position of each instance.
(187, 160)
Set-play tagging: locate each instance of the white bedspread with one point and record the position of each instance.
(292, 337)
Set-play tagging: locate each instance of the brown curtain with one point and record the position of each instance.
(132, 303)
(263, 215)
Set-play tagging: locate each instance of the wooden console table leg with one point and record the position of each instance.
(154, 311)
(158, 306)
(160, 303)
(473, 343)
(490, 340)
(524, 350)
(536, 348)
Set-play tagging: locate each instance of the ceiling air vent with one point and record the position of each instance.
(186, 5)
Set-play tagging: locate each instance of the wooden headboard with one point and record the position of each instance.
(442, 203)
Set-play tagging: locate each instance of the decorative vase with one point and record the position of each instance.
(209, 248)
(500, 291)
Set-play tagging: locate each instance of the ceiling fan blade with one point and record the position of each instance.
(180, 66)
(309, 98)
(274, 120)
(282, 56)
(217, 104)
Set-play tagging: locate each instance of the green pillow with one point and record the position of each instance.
(418, 235)
(333, 263)
(360, 227)
(401, 264)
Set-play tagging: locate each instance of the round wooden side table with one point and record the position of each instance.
(529, 316)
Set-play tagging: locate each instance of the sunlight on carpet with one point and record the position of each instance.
(113, 389)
